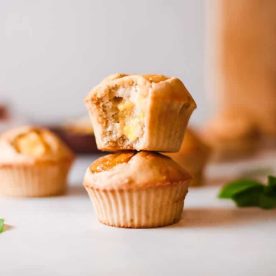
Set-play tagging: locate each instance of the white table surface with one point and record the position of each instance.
(61, 236)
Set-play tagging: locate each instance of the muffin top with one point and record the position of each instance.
(32, 144)
(134, 170)
(168, 88)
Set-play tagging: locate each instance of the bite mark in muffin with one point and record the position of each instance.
(139, 112)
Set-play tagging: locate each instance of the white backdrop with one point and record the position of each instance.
(53, 51)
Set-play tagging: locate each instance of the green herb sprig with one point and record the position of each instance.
(1, 225)
(249, 193)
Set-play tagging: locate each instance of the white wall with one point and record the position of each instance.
(53, 51)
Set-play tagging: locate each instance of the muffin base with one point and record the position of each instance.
(38, 180)
(144, 208)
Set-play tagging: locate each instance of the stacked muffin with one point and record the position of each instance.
(137, 116)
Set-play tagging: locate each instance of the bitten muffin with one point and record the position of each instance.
(137, 189)
(139, 112)
(193, 156)
(232, 136)
(33, 163)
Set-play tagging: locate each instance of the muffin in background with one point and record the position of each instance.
(232, 136)
(33, 163)
(137, 189)
(81, 126)
(242, 67)
(78, 134)
(192, 156)
(139, 112)
(4, 112)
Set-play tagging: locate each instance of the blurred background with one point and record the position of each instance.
(53, 52)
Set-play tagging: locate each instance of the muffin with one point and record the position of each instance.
(79, 126)
(232, 136)
(139, 112)
(78, 135)
(33, 163)
(137, 189)
(192, 156)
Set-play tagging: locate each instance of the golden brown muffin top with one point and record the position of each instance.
(111, 160)
(150, 77)
(29, 144)
(134, 169)
(168, 88)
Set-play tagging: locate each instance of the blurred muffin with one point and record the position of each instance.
(81, 126)
(232, 135)
(33, 163)
(193, 156)
(78, 134)
(137, 189)
(139, 112)
(4, 114)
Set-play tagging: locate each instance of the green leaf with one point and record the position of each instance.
(249, 196)
(247, 193)
(267, 201)
(271, 180)
(270, 189)
(1, 225)
(234, 187)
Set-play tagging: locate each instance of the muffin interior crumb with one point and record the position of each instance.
(111, 160)
(122, 112)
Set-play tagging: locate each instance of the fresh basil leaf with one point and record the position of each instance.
(270, 189)
(234, 187)
(267, 201)
(271, 180)
(1, 225)
(248, 193)
(249, 196)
